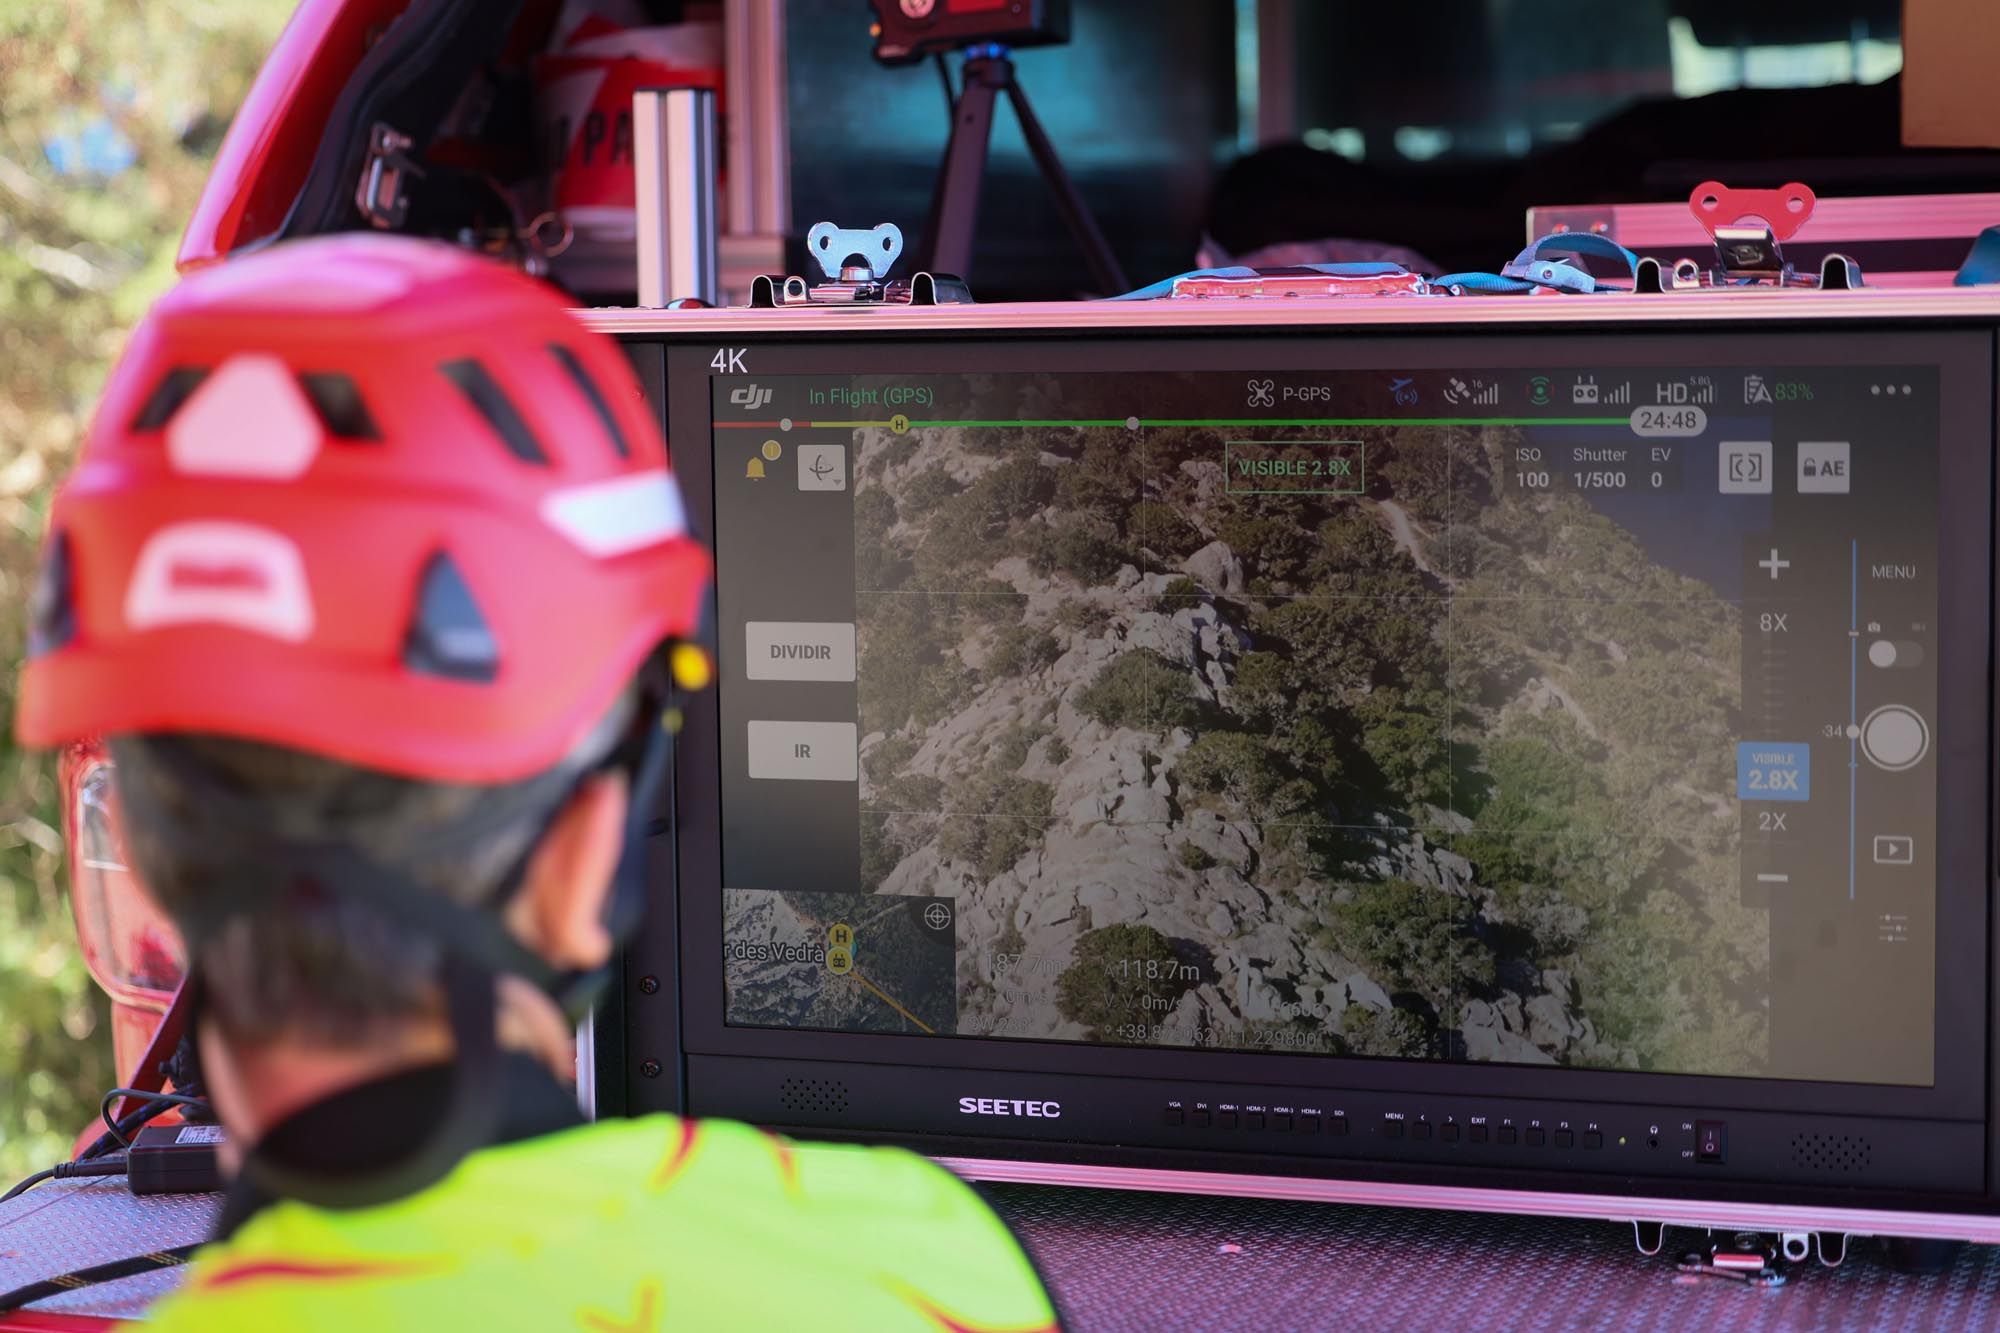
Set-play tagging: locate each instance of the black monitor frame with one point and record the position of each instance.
(662, 1045)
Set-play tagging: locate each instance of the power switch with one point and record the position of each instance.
(1711, 1141)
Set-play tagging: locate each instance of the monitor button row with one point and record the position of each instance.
(1282, 1123)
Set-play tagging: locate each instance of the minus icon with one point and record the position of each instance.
(1774, 879)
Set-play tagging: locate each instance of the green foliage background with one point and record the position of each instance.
(81, 256)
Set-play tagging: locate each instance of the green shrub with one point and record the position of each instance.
(929, 489)
(1088, 617)
(1020, 650)
(1121, 974)
(912, 793)
(876, 562)
(1178, 595)
(1397, 1033)
(1195, 858)
(886, 760)
(1141, 690)
(1019, 487)
(1415, 939)
(1010, 751)
(1076, 549)
(1003, 817)
(1163, 528)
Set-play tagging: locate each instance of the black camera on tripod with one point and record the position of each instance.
(906, 31)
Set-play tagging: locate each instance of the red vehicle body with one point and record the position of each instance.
(281, 140)
(283, 172)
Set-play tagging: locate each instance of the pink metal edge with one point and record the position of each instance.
(1835, 221)
(1465, 1199)
(1748, 305)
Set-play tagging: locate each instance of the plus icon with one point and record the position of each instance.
(1773, 563)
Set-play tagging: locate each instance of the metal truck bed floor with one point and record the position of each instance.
(1149, 1263)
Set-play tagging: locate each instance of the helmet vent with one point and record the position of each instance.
(491, 402)
(337, 399)
(166, 399)
(52, 607)
(448, 636)
(594, 396)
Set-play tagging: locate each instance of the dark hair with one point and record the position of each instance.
(315, 966)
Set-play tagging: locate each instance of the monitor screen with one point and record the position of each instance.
(1575, 714)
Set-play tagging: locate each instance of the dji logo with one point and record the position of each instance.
(750, 397)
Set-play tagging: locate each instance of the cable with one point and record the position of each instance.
(48, 1173)
(102, 1166)
(90, 1277)
(128, 1124)
(944, 77)
(162, 1099)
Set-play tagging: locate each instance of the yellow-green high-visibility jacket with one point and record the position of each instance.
(632, 1227)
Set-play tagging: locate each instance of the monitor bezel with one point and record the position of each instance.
(675, 361)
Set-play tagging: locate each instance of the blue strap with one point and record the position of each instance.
(1544, 265)
(1982, 263)
(1483, 282)
(1165, 287)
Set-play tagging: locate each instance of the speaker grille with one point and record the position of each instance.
(1830, 1152)
(824, 1095)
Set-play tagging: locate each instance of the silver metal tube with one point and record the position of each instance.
(770, 127)
(739, 216)
(674, 161)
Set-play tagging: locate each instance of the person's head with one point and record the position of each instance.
(365, 552)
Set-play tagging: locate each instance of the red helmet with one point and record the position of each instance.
(367, 497)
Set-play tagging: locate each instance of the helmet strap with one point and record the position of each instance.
(477, 949)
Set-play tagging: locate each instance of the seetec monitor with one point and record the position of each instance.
(1514, 754)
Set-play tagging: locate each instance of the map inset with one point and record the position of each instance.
(859, 962)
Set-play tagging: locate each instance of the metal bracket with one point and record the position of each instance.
(1750, 227)
(862, 283)
(380, 194)
(878, 249)
(1782, 211)
(1748, 1257)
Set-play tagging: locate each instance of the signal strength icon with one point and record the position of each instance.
(1487, 396)
(1704, 388)
(1619, 396)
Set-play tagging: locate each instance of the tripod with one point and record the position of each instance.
(989, 71)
